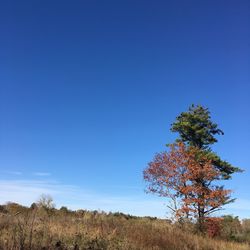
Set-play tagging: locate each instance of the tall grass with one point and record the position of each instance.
(25, 228)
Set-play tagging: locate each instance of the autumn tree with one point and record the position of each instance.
(195, 128)
(187, 173)
(213, 226)
(188, 182)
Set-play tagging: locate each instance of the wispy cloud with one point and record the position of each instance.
(240, 208)
(27, 191)
(240, 204)
(13, 172)
(42, 174)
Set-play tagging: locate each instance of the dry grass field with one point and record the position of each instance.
(24, 228)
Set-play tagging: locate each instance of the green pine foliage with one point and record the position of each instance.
(196, 129)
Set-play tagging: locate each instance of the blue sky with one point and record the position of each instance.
(88, 90)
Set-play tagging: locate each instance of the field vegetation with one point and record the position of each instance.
(41, 226)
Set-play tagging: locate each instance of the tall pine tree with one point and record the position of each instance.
(196, 129)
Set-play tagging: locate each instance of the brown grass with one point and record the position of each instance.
(22, 228)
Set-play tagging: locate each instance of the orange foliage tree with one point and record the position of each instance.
(213, 226)
(188, 178)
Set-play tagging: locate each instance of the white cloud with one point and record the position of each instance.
(240, 204)
(240, 208)
(27, 191)
(42, 174)
(13, 172)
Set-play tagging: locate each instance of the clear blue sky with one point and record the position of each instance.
(88, 90)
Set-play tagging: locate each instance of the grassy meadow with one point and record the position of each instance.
(45, 228)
